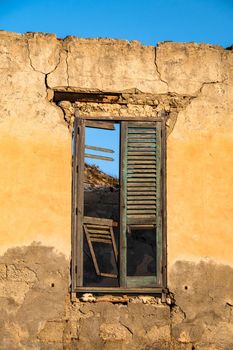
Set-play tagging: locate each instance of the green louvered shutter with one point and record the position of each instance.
(141, 187)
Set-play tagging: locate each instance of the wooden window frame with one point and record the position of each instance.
(77, 212)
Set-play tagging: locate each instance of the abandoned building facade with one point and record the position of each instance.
(94, 260)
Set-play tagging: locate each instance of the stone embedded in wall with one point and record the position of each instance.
(114, 332)
(42, 316)
(38, 312)
(130, 104)
(20, 274)
(2, 271)
(135, 326)
(52, 332)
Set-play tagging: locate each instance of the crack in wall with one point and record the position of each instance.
(127, 327)
(173, 115)
(157, 68)
(67, 67)
(31, 63)
(209, 83)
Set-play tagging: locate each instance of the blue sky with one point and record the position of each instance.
(109, 139)
(149, 21)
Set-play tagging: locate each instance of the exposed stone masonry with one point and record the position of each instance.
(36, 311)
(134, 105)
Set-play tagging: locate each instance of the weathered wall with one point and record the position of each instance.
(194, 83)
(35, 152)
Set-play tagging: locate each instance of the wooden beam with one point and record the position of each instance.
(107, 150)
(100, 124)
(87, 155)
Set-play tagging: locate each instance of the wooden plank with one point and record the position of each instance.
(141, 162)
(141, 152)
(97, 227)
(100, 124)
(100, 240)
(143, 197)
(141, 136)
(119, 290)
(143, 192)
(74, 206)
(141, 149)
(114, 245)
(112, 299)
(143, 206)
(107, 150)
(138, 186)
(141, 202)
(142, 124)
(141, 220)
(141, 166)
(141, 171)
(140, 211)
(92, 251)
(159, 229)
(101, 236)
(80, 200)
(106, 232)
(131, 185)
(140, 227)
(111, 275)
(133, 169)
(143, 157)
(141, 177)
(94, 97)
(99, 221)
(87, 155)
(141, 145)
(126, 118)
(140, 216)
(146, 194)
(164, 200)
(123, 191)
(140, 131)
(149, 190)
(140, 139)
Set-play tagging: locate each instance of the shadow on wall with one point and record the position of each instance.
(36, 311)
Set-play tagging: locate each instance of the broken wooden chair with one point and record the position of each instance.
(101, 231)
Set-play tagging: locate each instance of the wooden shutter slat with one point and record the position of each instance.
(140, 197)
(141, 166)
(142, 171)
(141, 202)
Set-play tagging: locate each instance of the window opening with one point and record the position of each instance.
(119, 241)
(101, 205)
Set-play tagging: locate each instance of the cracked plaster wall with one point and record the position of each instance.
(36, 180)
